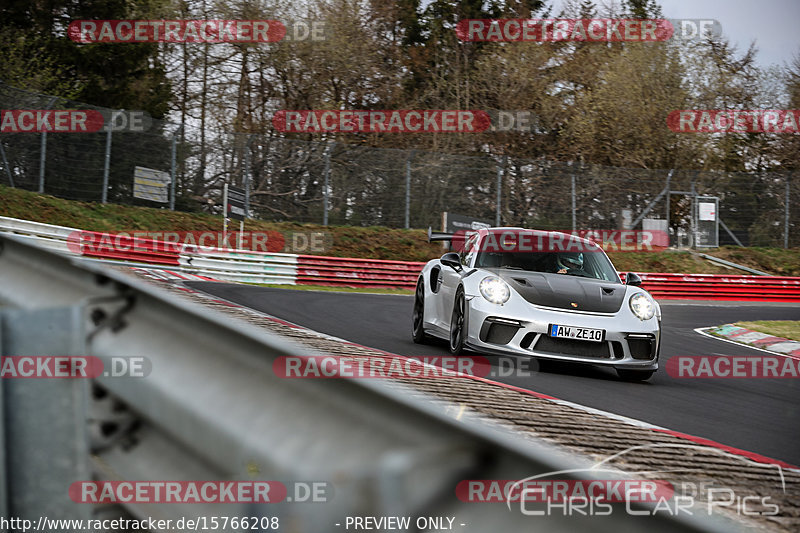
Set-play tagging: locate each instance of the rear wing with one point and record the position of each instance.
(441, 236)
(456, 239)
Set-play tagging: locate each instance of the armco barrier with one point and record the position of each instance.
(338, 271)
(247, 267)
(43, 235)
(291, 269)
(722, 287)
(124, 248)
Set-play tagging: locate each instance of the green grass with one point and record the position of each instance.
(348, 241)
(777, 261)
(365, 290)
(354, 241)
(788, 329)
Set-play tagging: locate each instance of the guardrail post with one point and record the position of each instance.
(408, 187)
(500, 169)
(107, 159)
(43, 422)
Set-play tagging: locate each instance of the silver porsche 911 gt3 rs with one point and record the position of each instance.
(547, 295)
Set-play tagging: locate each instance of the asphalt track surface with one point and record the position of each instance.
(758, 415)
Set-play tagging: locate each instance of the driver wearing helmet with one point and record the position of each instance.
(569, 262)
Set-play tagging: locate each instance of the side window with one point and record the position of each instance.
(469, 249)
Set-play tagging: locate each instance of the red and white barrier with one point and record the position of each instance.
(293, 269)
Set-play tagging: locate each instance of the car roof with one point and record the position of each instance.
(495, 230)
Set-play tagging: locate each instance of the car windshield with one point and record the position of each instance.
(593, 265)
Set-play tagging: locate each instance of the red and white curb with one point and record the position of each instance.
(170, 275)
(755, 339)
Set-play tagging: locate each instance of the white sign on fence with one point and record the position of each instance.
(707, 211)
(149, 184)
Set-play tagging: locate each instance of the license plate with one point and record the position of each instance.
(574, 332)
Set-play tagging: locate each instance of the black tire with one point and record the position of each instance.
(634, 375)
(458, 326)
(418, 316)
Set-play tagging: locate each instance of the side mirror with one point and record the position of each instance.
(633, 279)
(452, 260)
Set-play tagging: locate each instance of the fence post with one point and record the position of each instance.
(246, 177)
(5, 165)
(172, 168)
(327, 174)
(43, 151)
(500, 169)
(786, 213)
(572, 179)
(107, 160)
(225, 212)
(408, 188)
(669, 203)
(42, 157)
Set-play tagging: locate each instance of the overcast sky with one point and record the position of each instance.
(773, 24)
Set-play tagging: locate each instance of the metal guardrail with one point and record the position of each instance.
(249, 267)
(292, 269)
(733, 265)
(338, 271)
(212, 408)
(722, 287)
(46, 235)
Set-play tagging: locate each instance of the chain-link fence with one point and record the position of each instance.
(345, 184)
(76, 166)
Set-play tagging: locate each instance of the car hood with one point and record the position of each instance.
(565, 292)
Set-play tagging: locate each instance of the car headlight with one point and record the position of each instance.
(495, 290)
(642, 306)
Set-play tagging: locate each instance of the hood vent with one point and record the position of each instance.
(566, 292)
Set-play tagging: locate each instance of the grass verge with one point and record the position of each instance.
(788, 329)
(354, 241)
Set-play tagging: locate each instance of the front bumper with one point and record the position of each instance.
(520, 328)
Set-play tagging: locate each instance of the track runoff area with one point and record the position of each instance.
(735, 434)
(752, 414)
